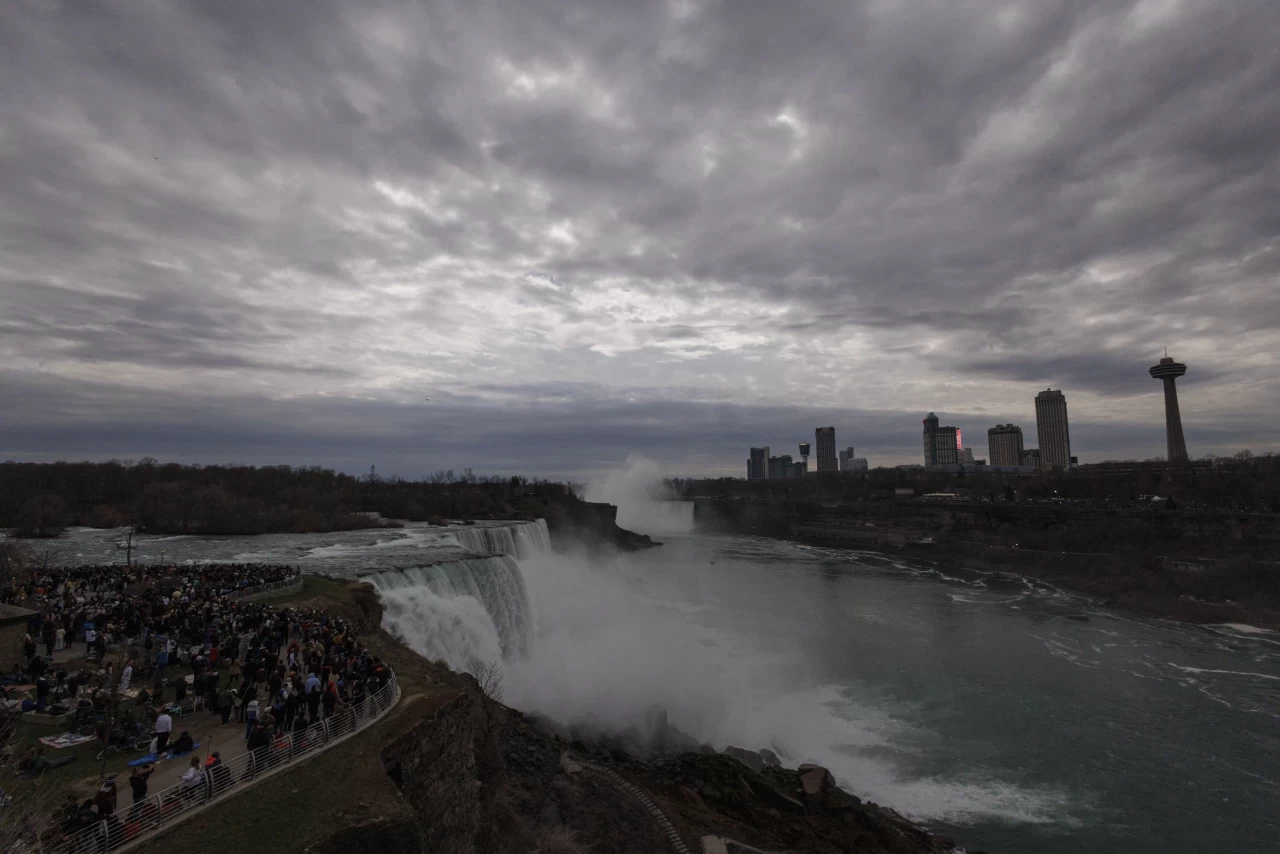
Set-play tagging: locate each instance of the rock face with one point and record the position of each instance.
(594, 525)
(480, 777)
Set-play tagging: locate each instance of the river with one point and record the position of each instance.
(1012, 716)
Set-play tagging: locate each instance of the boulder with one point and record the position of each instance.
(815, 779)
(749, 758)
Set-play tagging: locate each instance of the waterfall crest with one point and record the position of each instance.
(518, 539)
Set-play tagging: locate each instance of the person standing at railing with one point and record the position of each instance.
(192, 780)
(218, 775)
(330, 699)
(138, 784)
(313, 698)
(250, 715)
(259, 743)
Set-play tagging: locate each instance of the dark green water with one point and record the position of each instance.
(1012, 716)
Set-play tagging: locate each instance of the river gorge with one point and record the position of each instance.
(1005, 713)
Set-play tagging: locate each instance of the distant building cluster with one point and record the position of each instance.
(944, 446)
(761, 465)
(850, 463)
(941, 444)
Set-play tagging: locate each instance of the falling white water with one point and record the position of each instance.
(458, 610)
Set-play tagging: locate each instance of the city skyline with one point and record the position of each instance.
(943, 445)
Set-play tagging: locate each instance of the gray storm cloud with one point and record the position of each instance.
(266, 232)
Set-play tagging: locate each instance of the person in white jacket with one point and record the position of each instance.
(164, 728)
(193, 779)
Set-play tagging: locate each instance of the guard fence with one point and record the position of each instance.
(288, 585)
(173, 804)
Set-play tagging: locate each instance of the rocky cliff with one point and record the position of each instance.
(594, 525)
(480, 777)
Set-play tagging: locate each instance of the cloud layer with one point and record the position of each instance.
(267, 232)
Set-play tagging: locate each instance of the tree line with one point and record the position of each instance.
(43, 499)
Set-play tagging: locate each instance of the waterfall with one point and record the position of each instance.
(477, 607)
(532, 538)
(518, 539)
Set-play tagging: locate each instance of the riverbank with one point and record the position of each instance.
(1195, 567)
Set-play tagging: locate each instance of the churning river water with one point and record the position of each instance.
(1012, 716)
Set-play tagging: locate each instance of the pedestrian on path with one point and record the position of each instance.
(164, 728)
(226, 700)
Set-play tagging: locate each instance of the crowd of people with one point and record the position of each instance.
(178, 644)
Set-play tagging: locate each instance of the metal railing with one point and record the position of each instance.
(175, 803)
(291, 585)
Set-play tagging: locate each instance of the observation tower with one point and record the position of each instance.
(1168, 370)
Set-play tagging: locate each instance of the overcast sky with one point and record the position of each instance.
(266, 232)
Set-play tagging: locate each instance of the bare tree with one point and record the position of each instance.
(124, 542)
(28, 821)
(15, 559)
(489, 676)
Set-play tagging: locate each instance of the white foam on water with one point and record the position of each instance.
(1247, 673)
(1245, 628)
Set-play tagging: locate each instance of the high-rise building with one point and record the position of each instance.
(1168, 370)
(758, 464)
(1004, 443)
(941, 444)
(1051, 426)
(846, 459)
(1031, 457)
(783, 467)
(860, 464)
(791, 468)
(930, 423)
(966, 454)
(825, 439)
